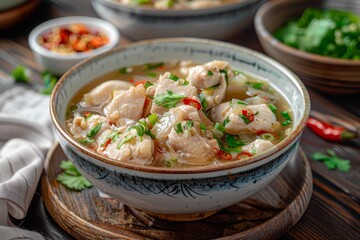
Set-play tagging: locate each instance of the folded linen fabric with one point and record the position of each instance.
(25, 137)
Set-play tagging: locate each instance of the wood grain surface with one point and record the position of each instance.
(267, 215)
(334, 209)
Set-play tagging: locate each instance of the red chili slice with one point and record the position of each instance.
(64, 35)
(192, 102)
(224, 155)
(248, 114)
(140, 82)
(243, 154)
(103, 147)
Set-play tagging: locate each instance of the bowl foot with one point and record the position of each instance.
(182, 217)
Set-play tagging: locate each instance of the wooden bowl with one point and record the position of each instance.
(330, 75)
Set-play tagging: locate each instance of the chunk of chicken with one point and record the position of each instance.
(257, 146)
(80, 127)
(103, 92)
(191, 146)
(127, 106)
(263, 118)
(129, 147)
(212, 78)
(194, 141)
(165, 84)
(167, 122)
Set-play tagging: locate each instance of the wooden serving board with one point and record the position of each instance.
(267, 215)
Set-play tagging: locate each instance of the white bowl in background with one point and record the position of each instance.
(59, 63)
(219, 22)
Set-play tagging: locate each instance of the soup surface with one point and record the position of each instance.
(176, 4)
(179, 114)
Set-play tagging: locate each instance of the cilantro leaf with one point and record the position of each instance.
(168, 100)
(71, 177)
(331, 161)
(21, 74)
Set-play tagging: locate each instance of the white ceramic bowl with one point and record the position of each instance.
(60, 63)
(197, 190)
(145, 23)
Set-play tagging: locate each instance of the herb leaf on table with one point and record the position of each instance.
(72, 178)
(331, 161)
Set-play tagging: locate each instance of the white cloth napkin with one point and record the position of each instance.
(25, 137)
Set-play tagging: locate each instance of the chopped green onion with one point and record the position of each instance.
(125, 70)
(153, 66)
(148, 84)
(219, 127)
(236, 72)
(256, 85)
(178, 128)
(226, 121)
(203, 127)
(189, 124)
(210, 73)
(125, 140)
(245, 119)
(86, 141)
(173, 77)
(92, 133)
(255, 114)
(287, 117)
(242, 103)
(185, 82)
(267, 136)
(153, 118)
(151, 74)
(87, 116)
(272, 107)
(169, 162)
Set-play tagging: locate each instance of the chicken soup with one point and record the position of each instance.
(179, 114)
(176, 4)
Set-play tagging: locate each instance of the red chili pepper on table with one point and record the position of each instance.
(329, 132)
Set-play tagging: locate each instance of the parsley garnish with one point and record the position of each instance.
(204, 103)
(223, 71)
(50, 81)
(168, 100)
(210, 73)
(178, 128)
(72, 178)
(21, 74)
(332, 161)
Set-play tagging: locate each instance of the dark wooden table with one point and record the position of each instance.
(334, 210)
